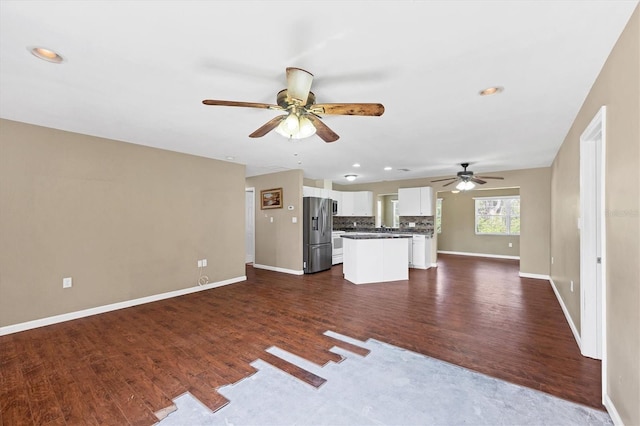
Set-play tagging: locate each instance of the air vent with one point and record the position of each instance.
(403, 170)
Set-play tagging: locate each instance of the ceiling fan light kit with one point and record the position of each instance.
(296, 127)
(301, 118)
(465, 186)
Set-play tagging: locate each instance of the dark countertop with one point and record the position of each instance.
(383, 231)
(380, 236)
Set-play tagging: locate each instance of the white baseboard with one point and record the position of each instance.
(611, 409)
(463, 253)
(572, 326)
(15, 328)
(535, 276)
(276, 269)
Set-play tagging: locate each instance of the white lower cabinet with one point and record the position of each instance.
(420, 252)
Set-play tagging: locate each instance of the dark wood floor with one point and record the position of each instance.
(125, 367)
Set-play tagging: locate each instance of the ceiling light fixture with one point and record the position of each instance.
(356, 165)
(350, 178)
(296, 127)
(388, 168)
(455, 191)
(491, 91)
(465, 185)
(46, 54)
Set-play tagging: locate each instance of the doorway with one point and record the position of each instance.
(592, 240)
(249, 225)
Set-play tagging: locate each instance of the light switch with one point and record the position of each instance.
(67, 282)
(271, 219)
(294, 220)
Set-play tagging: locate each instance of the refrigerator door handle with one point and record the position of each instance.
(322, 220)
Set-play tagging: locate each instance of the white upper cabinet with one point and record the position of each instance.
(355, 203)
(415, 201)
(311, 191)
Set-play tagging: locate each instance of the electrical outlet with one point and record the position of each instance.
(571, 286)
(510, 244)
(67, 282)
(204, 262)
(199, 263)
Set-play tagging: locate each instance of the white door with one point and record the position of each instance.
(249, 221)
(592, 252)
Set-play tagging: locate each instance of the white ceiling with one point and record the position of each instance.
(137, 71)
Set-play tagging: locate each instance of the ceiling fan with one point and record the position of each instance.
(301, 118)
(466, 179)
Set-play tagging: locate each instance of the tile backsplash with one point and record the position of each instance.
(423, 224)
(353, 222)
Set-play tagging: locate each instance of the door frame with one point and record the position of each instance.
(250, 211)
(593, 241)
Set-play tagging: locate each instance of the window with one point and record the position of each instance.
(498, 215)
(396, 217)
(439, 215)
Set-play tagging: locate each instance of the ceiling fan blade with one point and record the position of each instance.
(322, 129)
(348, 109)
(442, 180)
(269, 126)
(489, 177)
(476, 180)
(241, 104)
(299, 84)
(447, 184)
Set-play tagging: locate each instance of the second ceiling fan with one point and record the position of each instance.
(466, 178)
(301, 118)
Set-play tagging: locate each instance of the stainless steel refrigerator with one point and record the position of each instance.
(316, 225)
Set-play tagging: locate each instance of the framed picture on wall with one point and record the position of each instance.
(271, 199)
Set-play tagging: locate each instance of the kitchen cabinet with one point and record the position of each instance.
(374, 260)
(355, 203)
(311, 191)
(420, 252)
(415, 201)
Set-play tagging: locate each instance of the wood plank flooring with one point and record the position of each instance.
(125, 367)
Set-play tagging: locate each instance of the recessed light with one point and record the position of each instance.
(455, 191)
(350, 178)
(230, 158)
(491, 91)
(46, 54)
(388, 168)
(356, 165)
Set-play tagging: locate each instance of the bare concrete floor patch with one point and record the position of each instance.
(390, 386)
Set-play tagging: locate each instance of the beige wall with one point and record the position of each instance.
(124, 221)
(458, 225)
(535, 198)
(617, 87)
(279, 243)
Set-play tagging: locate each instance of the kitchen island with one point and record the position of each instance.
(374, 258)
